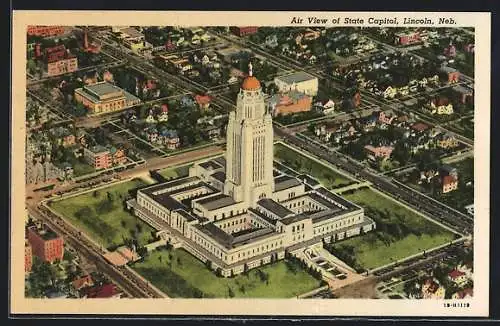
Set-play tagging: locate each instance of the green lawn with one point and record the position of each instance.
(175, 172)
(400, 233)
(300, 163)
(80, 169)
(191, 277)
(105, 220)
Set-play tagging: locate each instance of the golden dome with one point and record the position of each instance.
(250, 84)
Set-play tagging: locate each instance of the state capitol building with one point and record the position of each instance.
(236, 211)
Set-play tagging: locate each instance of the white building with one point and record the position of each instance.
(299, 81)
(234, 212)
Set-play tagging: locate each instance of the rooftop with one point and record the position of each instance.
(216, 202)
(296, 77)
(45, 232)
(285, 182)
(102, 88)
(219, 175)
(212, 164)
(294, 218)
(274, 207)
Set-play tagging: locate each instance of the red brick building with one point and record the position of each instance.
(45, 243)
(28, 257)
(104, 157)
(292, 102)
(45, 31)
(60, 61)
(383, 152)
(244, 30)
(407, 38)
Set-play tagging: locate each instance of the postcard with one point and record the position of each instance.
(250, 163)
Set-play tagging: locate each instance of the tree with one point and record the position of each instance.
(230, 292)
(138, 226)
(83, 212)
(179, 261)
(31, 65)
(123, 223)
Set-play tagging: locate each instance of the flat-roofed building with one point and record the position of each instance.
(104, 97)
(45, 31)
(298, 81)
(60, 61)
(101, 157)
(233, 213)
(45, 243)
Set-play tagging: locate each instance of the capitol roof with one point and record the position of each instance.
(250, 84)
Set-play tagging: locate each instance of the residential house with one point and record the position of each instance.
(419, 127)
(470, 209)
(458, 277)
(150, 118)
(450, 75)
(440, 105)
(401, 121)
(326, 107)
(163, 116)
(448, 170)
(64, 136)
(466, 94)
(432, 290)
(389, 91)
(386, 117)
(100, 291)
(107, 76)
(469, 48)
(463, 294)
(203, 101)
(151, 134)
(450, 51)
(82, 282)
(446, 141)
(428, 175)
(466, 268)
(271, 41)
(367, 123)
(374, 153)
(65, 171)
(449, 183)
(187, 101)
(169, 138)
(212, 132)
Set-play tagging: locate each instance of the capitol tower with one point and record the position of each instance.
(249, 155)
